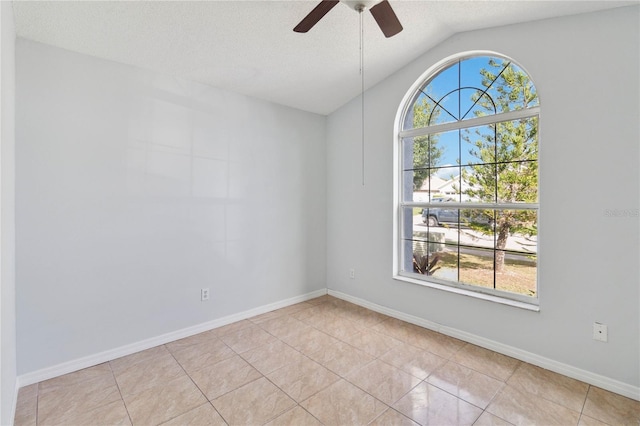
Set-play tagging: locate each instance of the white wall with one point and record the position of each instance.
(586, 71)
(7, 215)
(135, 190)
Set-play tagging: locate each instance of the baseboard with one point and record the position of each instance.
(109, 355)
(589, 377)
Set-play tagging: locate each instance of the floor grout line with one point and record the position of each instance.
(120, 392)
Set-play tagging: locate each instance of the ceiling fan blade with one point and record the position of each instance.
(386, 18)
(315, 15)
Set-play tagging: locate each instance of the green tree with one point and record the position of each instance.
(426, 153)
(508, 152)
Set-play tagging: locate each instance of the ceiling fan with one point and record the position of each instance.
(381, 11)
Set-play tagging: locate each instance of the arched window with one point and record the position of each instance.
(467, 194)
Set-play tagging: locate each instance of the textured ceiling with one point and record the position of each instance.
(249, 46)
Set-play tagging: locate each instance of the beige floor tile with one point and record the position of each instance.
(374, 343)
(321, 299)
(196, 339)
(25, 416)
(29, 392)
(527, 409)
(71, 379)
(393, 418)
(352, 311)
(204, 415)
(485, 361)
(247, 338)
(283, 326)
(465, 383)
(409, 333)
(428, 405)
(302, 378)
(316, 311)
(26, 406)
(113, 413)
(342, 309)
(417, 362)
(279, 313)
(588, 421)
(383, 381)
(254, 403)
(344, 404)
(156, 405)
(345, 310)
(145, 356)
(195, 357)
(341, 358)
(145, 375)
(337, 327)
(232, 328)
(68, 402)
(309, 341)
(335, 301)
(297, 416)
(419, 337)
(560, 389)
(292, 309)
(488, 419)
(272, 356)
(267, 316)
(363, 316)
(611, 408)
(393, 327)
(341, 302)
(224, 376)
(335, 306)
(438, 343)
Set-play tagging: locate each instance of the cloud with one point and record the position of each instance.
(447, 171)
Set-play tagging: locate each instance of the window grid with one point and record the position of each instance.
(407, 202)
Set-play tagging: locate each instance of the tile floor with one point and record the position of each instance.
(324, 361)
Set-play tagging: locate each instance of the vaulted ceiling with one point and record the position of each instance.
(249, 46)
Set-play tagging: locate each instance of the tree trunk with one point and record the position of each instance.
(501, 243)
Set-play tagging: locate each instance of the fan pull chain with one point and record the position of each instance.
(360, 10)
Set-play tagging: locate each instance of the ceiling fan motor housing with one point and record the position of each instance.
(360, 5)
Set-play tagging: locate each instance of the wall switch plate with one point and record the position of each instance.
(204, 294)
(599, 332)
(352, 273)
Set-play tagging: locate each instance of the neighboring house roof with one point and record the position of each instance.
(436, 183)
(439, 184)
(452, 185)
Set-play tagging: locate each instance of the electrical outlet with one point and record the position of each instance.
(352, 274)
(204, 294)
(599, 332)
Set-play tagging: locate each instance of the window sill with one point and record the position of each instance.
(474, 294)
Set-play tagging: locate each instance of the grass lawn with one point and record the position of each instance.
(516, 277)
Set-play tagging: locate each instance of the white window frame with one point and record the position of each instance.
(498, 296)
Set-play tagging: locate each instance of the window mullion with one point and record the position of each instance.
(471, 205)
(472, 122)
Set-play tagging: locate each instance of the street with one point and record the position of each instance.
(466, 236)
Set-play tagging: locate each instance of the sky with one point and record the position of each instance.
(458, 104)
